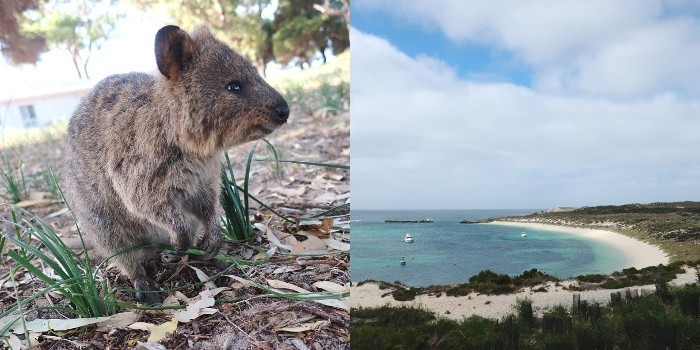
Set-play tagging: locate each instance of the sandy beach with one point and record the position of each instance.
(639, 254)
(496, 306)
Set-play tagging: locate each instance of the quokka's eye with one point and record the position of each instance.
(234, 86)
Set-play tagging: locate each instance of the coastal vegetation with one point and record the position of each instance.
(492, 283)
(636, 277)
(668, 319)
(673, 226)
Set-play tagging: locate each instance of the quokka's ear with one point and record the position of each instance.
(175, 50)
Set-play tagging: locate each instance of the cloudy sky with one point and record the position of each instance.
(524, 104)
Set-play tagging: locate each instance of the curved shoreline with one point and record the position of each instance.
(639, 254)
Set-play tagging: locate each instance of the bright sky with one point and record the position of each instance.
(130, 50)
(524, 104)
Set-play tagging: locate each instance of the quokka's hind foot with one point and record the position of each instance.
(131, 265)
(145, 284)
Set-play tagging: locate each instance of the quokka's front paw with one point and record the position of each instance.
(211, 243)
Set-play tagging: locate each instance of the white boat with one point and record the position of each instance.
(523, 235)
(408, 238)
(403, 260)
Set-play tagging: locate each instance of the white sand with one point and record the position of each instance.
(639, 254)
(496, 306)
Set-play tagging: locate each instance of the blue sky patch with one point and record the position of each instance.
(471, 61)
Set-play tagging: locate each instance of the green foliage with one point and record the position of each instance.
(13, 185)
(688, 300)
(294, 39)
(647, 322)
(524, 312)
(592, 278)
(301, 30)
(64, 271)
(486, 282)
(404, 294)
(417, 328)
(635, 277)
(236, 217)
(297, 32)
(77, 26)
(238, 23)
(487, 276)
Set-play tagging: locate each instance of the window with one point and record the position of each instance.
(28, 116)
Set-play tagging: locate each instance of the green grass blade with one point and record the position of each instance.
(339, 166)
(336, 208)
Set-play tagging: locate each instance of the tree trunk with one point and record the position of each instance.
(74, 57)
(260, 66)
(87, 59)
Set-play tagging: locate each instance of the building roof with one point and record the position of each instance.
(32, 93)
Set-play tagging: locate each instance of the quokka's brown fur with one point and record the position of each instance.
(142, 157)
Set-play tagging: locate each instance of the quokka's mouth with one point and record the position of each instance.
(265, 129)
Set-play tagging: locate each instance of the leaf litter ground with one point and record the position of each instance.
(307, 256)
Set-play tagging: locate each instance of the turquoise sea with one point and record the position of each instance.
(447, 252)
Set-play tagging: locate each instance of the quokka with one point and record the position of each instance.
(142, 156)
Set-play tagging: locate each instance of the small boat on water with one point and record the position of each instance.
(403, 260)
(523, 235)
(408, 238)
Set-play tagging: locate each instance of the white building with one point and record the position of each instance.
(40, 107)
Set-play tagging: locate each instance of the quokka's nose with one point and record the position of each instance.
(282, 112)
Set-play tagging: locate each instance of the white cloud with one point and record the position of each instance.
(611, 48)
(423, 138)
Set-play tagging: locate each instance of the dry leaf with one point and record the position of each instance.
(35, 196)
(58, 213)
(285, 238)
(311, 246)
(336, 244)
(271, 236)
(286, 269)
(303, 327)
(317, 233)
(262, 256)
(171, 300)
(120, 320)
(285, 285)
(336, 303)
(199, 305)
(330, 286)
(203, 278)
(149, 346)
(15, 343)
(326, 225)
(55, 324)
(289, 192)
(158, 332)
(326, 198)
(31, 203)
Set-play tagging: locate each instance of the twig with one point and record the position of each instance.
(324, 262)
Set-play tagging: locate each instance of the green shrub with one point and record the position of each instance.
(647, 323)
(401, 294)
(592, 278)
